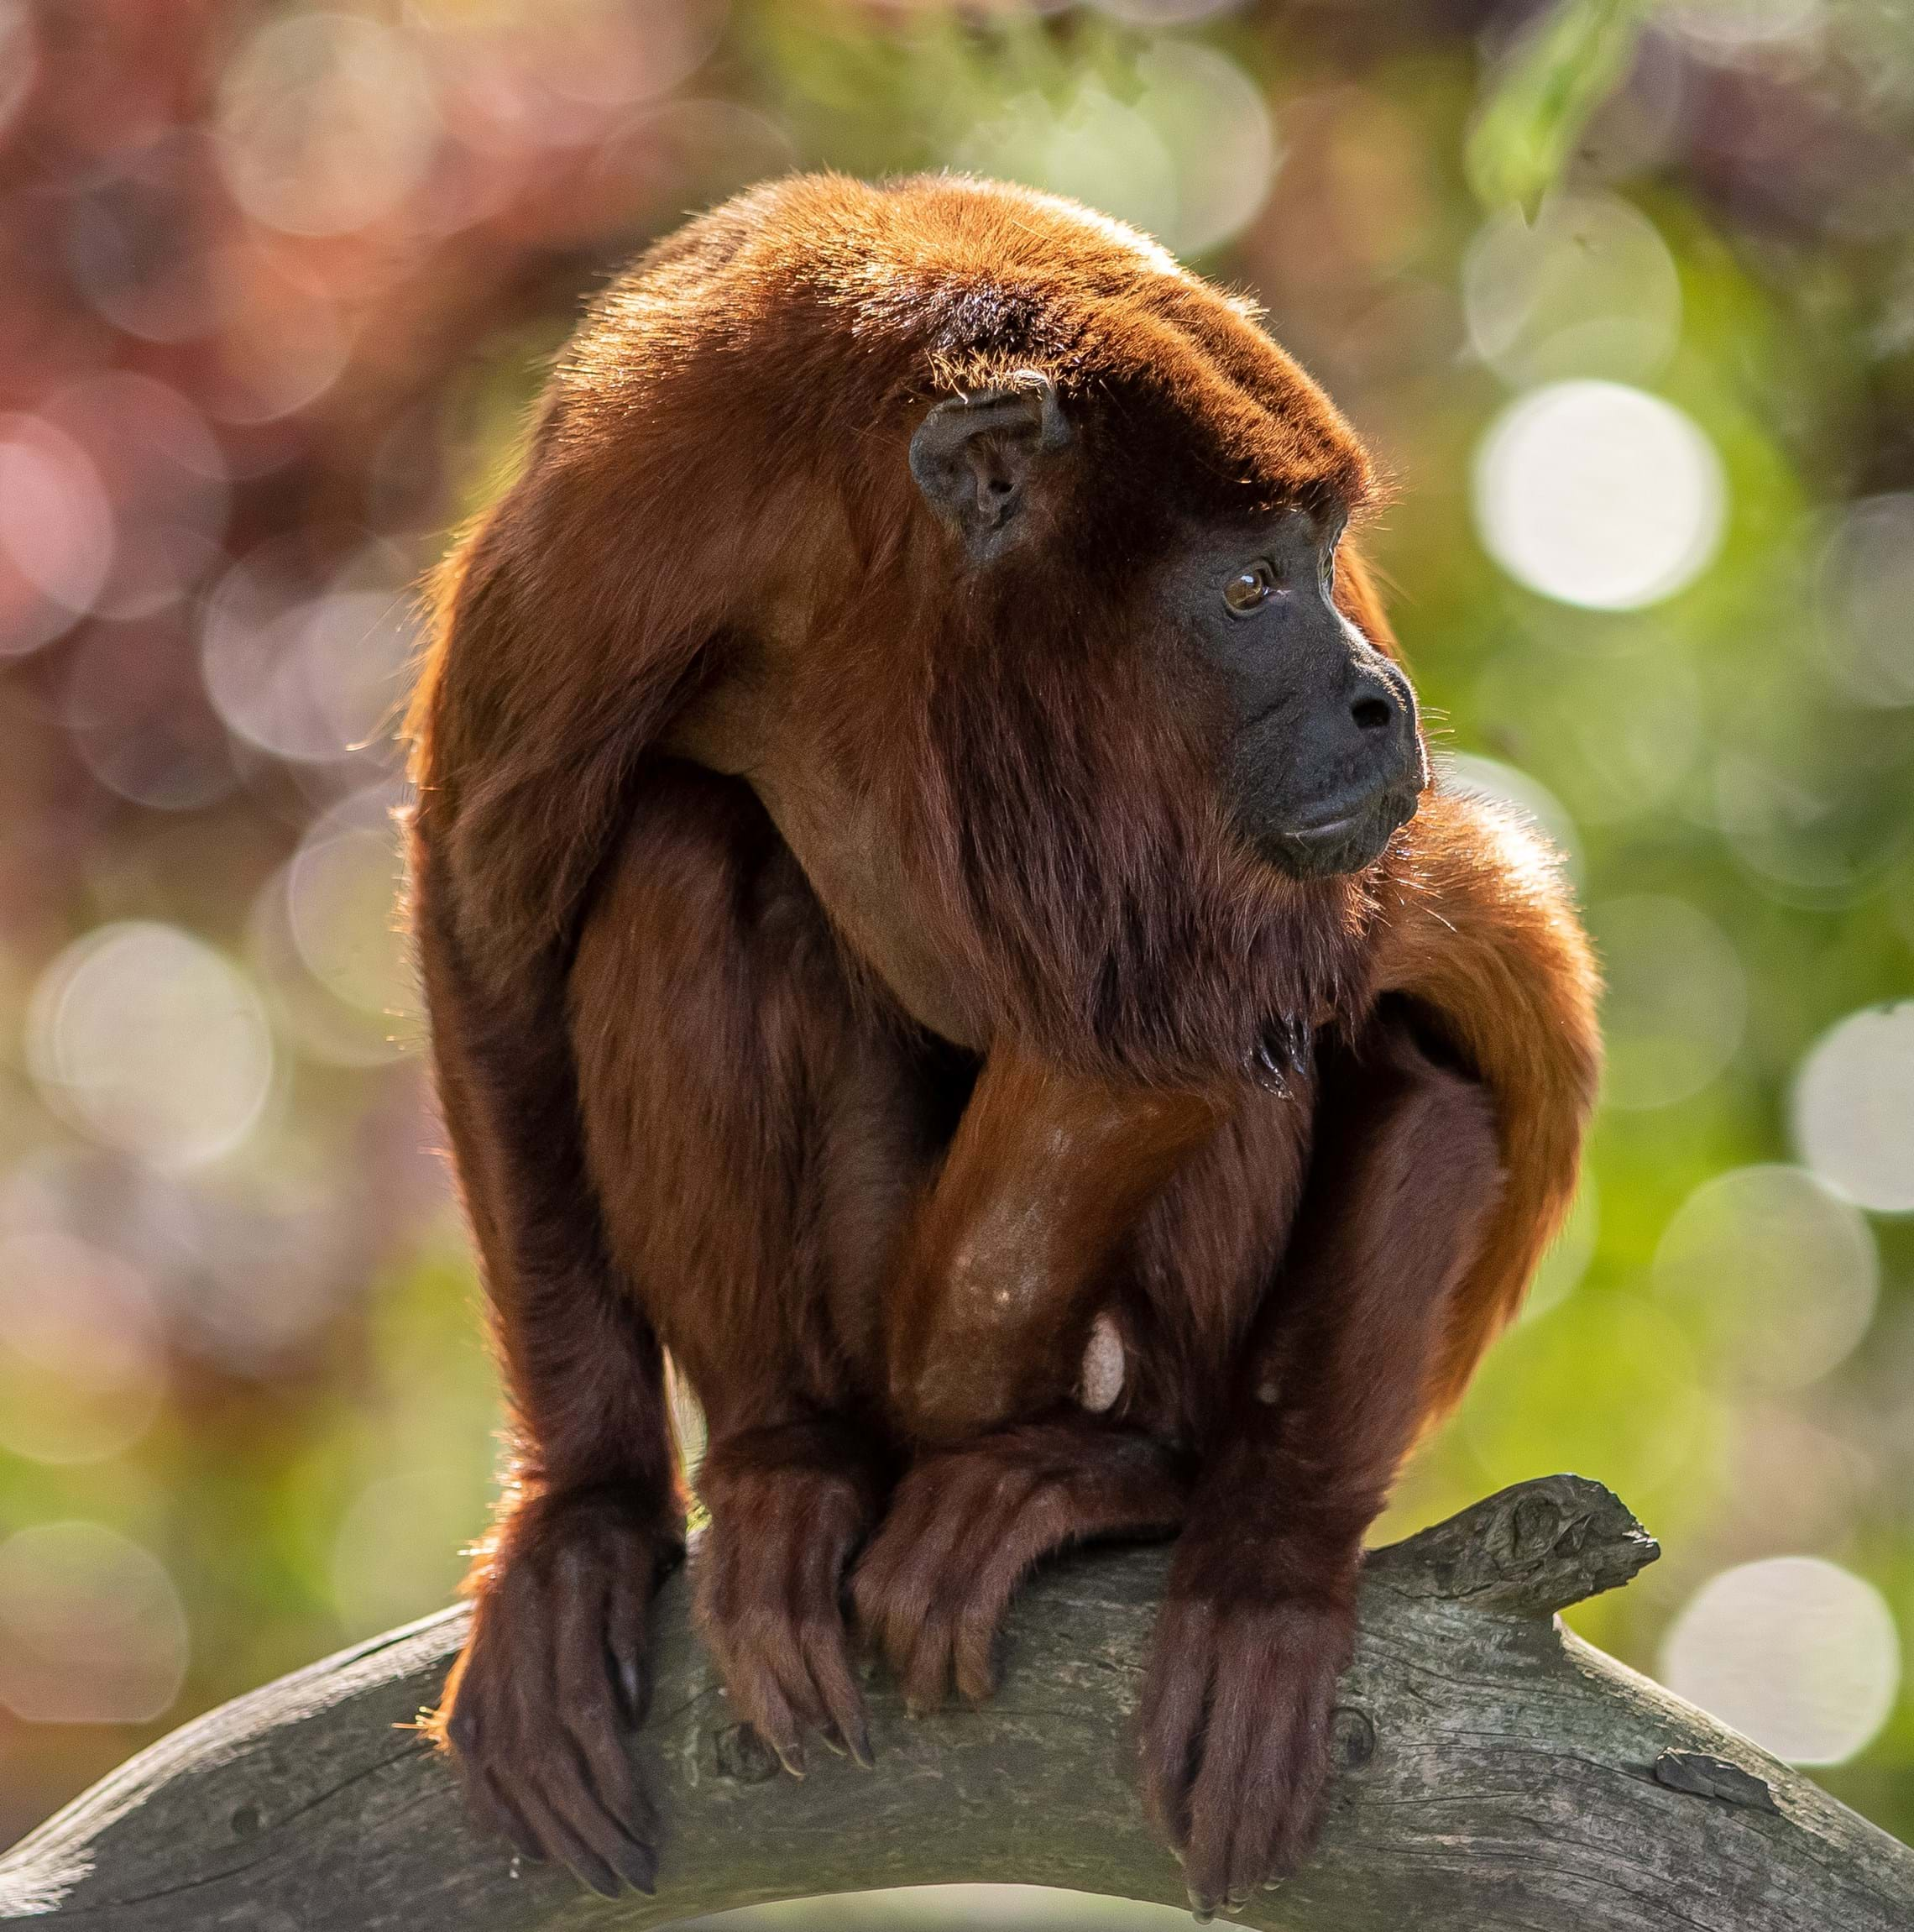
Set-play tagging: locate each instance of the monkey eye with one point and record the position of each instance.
(1253, 584)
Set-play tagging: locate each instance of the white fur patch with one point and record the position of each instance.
(1102, 1380)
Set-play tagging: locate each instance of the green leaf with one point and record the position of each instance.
(1559, 71)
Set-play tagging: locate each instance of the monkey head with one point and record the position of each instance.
(1317, 754)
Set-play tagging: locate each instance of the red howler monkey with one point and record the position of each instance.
(934, 913)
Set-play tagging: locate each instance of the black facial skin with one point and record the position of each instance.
(1323, 761)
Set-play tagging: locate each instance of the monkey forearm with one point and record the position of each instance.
(1046, 1173)
(584, 1371)
(1406, 1185)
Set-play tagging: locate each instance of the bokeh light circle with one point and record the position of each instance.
(326, 122)
(1675, 998)
(305, 676)
(328, 937)
(92, 1630)
(344, 899)
(159, 463)
(1598, 494)
(147, 1040)
(1798, 1654)
(1093, 148)
(1213, 123)
(1587, 288)
(82, 1371)
(1775, 1275)
(1853, 1108)
(1867, 598)
(1187, 155)
(56, 533)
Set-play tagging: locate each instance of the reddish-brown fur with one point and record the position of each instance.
(844, 974)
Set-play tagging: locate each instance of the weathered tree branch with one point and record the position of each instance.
(1498, 1774)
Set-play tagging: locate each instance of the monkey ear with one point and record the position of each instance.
(973, 455)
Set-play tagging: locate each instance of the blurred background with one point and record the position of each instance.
(1622, 295)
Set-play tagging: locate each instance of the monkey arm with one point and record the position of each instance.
(1260, 1616)
(555, 1668)
(1477, 929)
(1047, 1170)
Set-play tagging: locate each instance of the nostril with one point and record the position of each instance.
(1373, 714)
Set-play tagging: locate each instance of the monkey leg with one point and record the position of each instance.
(756, 1144)
(1048, 1172)
(1258, 1619)
(967, 1524)
(986, 1334)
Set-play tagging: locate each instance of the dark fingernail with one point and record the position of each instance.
(859, 1742)
(1201, 1909)
(602, 1879)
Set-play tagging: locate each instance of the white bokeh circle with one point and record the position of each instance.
(1598, 494)
(1798, 1654)
(1778, 1274)
(91, 1629)
(1675, 998)
(1853, 1108)
(147, 1040)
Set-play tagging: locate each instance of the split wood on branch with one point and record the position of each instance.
(1497, 1773)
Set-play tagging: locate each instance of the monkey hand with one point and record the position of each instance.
(966, 1526)
(789, 1507)
(554, 1678)
(1237, 1712)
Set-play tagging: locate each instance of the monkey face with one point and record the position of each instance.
(1312, 731)
(1321, 759)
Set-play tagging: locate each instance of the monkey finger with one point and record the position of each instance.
(978, 1624)
(763, 1704)
(495, 1809)
(926, 1671)
(568, 1794)
(625, 1644)
(568, 1846)
(837, 1691)
(1223, 1792)
(1176, 1695)
(589, 1707)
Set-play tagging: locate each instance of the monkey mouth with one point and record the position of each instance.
(1343, 837)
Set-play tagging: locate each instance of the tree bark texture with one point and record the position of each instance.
(1496, 1774)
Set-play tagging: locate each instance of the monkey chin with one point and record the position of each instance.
(1339, 842)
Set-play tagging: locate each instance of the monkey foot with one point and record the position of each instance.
(552, 1682)
(788, 1508)
(967, 1524)
(1237, 1708)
